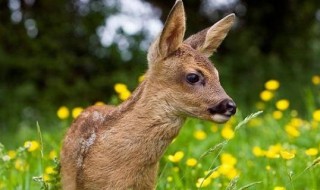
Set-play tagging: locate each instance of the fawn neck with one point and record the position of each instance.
(149, 119)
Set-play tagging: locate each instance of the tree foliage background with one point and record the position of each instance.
(51, 52)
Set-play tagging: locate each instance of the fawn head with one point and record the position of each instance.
(191, 82)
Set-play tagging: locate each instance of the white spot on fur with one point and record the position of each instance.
(97, 116)
(84, 147)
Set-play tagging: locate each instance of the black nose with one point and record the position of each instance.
(226, 106)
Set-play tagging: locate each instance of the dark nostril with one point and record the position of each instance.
(231, 107)
(227, 106)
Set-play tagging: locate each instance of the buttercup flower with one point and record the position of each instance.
(124, 95)
(296, 122)
(227, 158)
(279, 188)
(50, 170)
(63, 112)
(53, 154)
(99, 103)
(200, 135)
(120, 87)
(277, 114)
(12, 154)
(191, 162)
(214, 175)
(227, 132)
(272, 85)
(257, 151)
(141, 78)
(176, 157)
(32, 145)
(20, 165)
(312, 152)
(76, 112)
(266, 95)
(316, 115)
(203, 182)
(273, 151)
(122, 90)
(287, 155)
(315, 79)
(292, 131)
(282, 104)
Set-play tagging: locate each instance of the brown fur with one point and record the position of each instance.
(119, 147)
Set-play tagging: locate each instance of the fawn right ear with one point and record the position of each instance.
(208, 40)
(171, 36)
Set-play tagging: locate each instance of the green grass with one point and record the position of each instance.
(260, 151)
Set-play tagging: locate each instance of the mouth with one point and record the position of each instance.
(220, 118)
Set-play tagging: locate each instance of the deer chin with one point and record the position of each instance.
(220, 118)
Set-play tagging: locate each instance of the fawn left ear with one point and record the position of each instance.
(172, 34)
(208, 40)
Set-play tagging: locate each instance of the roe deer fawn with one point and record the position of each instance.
(119, 147)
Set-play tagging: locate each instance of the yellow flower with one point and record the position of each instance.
(316, 115)
(257, 151)
(177, 157)
(120, 87)
(266, 95)
(296, 122)
(315, 80)
(50, 170)
(272, 85)
(76, 112)
(20, 165)
(287, 155)
(227, 133)
(203, 182)
(228, 170)
(63, 112)
(169, 178)
(200, 135)
(124, 95)
(53, 154)
(292, 131)
(274, 151)
(141, 78)
(228, 159)
(279, 188)
(99, 103)
(214, 175)
(12, 154)
(282, 104)
(31, 145)
(312, 152)
(46, 177)
(191, 162)
(277, 114)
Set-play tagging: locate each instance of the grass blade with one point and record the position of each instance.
(250, 185)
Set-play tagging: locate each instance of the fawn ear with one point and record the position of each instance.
(208, 40)
(172, 34)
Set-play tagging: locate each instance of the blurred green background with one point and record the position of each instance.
(55, 53)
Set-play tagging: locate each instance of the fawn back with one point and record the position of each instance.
(119, 147)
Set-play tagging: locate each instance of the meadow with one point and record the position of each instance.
(274, 148)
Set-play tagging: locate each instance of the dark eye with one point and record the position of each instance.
(192, 78)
